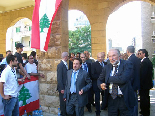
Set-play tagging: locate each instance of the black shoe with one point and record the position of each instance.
(89, 110)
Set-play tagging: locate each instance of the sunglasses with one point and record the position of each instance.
(139, 53)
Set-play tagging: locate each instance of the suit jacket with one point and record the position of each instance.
(83, 81)
(135, 80)
(61, 76)
(95, 72)
(146, 74)
(122, 78)
(70, 65)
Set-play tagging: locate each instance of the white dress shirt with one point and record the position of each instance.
(65, 64)
(111, 84)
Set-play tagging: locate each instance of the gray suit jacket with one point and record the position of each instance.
(61, 76)
(83, 81)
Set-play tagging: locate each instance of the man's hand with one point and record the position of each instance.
(103, 86)
(28, 76)
(81, 92)
(42, 75)
(64, 99)
(7, 97)
(22, 79)
(62, 91)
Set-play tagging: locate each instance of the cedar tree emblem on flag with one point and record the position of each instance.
(44, 22)
(24, 95)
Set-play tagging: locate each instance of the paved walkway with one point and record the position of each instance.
(105, 113)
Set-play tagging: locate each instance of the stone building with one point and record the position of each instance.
(97, 12)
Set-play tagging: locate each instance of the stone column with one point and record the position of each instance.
(49, 60)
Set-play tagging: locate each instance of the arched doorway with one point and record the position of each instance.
(20, 32)
(79, 32)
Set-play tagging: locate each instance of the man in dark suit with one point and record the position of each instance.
(87, 67)
(61, 79)
(88, 60)
(115, 79)
(77, 85)
(135, 80)
(146, 84)
(96, 71)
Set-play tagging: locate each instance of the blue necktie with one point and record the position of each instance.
(85, 67)
(73, 85)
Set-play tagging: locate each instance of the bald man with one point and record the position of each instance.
(95, 71)
(61, 79)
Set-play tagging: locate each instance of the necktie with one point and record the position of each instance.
(115, 86)
(101, 63)
(73, 85)
(67, 66)
(85, 67)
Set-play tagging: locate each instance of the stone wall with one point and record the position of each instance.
(49, 60)
(147, 28)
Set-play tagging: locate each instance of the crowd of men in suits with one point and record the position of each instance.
(118, 81)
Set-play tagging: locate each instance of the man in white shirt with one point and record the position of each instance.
(9, 87)
(31, 67)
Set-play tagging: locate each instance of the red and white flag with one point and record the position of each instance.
(43, 16)
(28, 95)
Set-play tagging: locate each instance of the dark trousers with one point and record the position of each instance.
(97, 99)
(90, 98)
(73, 108)
(117, 107)
(144, 102)
(62, 105)
(135, 113)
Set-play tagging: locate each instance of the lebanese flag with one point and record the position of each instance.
(43, 15)
(28, 95)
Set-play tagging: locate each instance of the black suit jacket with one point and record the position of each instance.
(95, 72)
(61, 76)
(135, 80)
(83, 81)
(146, 74)
(122, 78)
(70, 65)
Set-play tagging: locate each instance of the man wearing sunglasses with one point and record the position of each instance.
(145, 82)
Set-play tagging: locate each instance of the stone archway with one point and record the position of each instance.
(98, 13)
(8, 19)
(146, 24)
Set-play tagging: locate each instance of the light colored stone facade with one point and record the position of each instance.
(147, 28)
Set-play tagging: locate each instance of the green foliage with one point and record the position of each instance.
(44, 22)
(24, 95)
(80, 40)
